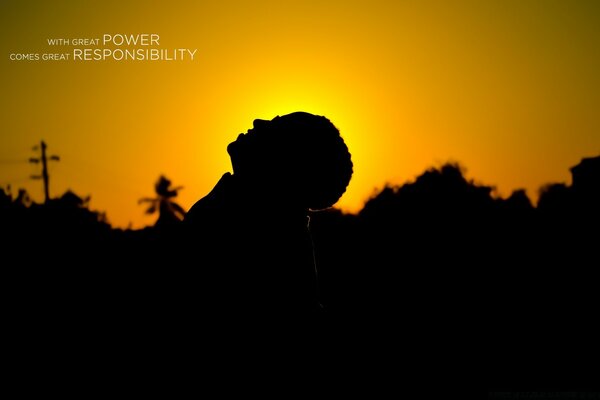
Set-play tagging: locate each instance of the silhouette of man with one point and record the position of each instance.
(251, 230)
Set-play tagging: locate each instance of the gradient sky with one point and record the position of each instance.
(510, 89)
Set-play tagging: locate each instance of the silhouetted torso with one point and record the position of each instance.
(251, 257)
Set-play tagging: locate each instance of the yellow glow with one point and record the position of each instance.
(508, 88)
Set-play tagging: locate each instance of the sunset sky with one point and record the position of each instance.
(510, 89)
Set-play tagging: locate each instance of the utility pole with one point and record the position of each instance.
(44, 162)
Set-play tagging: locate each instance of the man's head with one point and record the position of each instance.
(299, 157)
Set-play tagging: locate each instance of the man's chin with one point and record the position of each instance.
(232, 148)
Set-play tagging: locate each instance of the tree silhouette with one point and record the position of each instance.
(169, 212)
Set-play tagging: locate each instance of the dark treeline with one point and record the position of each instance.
(463, 272)
(443, 258)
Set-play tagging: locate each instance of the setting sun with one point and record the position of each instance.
(146, 217)
(508, 89)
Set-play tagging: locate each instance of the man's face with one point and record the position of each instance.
(248, 150)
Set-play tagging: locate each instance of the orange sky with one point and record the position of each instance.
(508, 88)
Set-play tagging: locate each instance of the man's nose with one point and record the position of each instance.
(260, 123)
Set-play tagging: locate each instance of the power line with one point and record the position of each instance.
(12, 161)
(13, 181)
(44, 160)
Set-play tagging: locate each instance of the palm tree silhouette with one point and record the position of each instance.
(169, 212)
